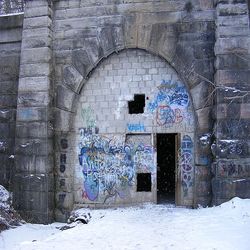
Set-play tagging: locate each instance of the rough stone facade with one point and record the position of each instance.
(77, 59)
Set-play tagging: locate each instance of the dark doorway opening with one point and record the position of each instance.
(166, 165)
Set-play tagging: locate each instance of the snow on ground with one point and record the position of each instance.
(143, 227)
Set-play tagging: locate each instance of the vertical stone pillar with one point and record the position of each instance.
(231, 167)
(34, 177)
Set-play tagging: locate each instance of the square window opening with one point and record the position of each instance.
(137, 105)
(144, 182)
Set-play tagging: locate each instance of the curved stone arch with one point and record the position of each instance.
(195, 84)
(76, 81)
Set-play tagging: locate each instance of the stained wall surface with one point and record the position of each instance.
(10, 49)
(70, 94)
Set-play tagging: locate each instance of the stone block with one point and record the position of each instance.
(242, 188)
(8, 87)
(11, 35)
(202, 173)
(7, 101)
(36, 42)
(81, 62)
(35, 206)
(234, 20)
(204, 119)
(66, 99)
(223, 189)
(9, 67)
(9, 22)
(7, 114)
(233, 61)
(37, 22)
(231, 148)
(63, 120)
(72, 78)
(28, 146)
(33, 99)
(43, 10)
(32, 114)
(35, 83)
(34, 130)
(228, 31)
(130, 31)
(232, 168)
(204, 50)
(233, 128)
(34, 70)
(26, 164)
(203, 188)
(245, 111)
(33, 182)
(232, 9)
(7, 130)
(201, 95)
(43, 31)
(233, 78)
(232, 45)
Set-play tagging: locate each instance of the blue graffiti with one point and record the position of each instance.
(172, 94)
(136, 127)
(109, 168)
(186, 163)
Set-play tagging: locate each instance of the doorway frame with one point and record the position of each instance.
(177, 198)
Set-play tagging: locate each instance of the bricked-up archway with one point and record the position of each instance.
(115, 144)
(199, 96)
(85, 44)
(63, 41)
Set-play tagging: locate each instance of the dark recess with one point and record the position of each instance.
(137, 105)
(144, 182)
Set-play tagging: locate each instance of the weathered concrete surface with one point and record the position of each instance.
(64, 41)
(231, 148)
(34, 164)
(10, 47)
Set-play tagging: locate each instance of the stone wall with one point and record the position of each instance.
(231, 168)
(64, 43)
(85, 32)
(10, 47)
(34, 152)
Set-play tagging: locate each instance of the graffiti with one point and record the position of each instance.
(63, 158)
(109, 167)
(64, 143)
(173, 94)
(186, 163)
(136, 127)
(165, 115)
(88, 131)
(227, 147)
(87, 117)
(62, 168)
(170, 104)
(232, 169)
(62, 183)
(61, 199)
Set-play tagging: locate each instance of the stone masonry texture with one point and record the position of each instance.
(69, 68)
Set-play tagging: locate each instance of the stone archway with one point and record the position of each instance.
(200, 152)
(115, 131)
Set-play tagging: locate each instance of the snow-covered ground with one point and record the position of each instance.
(144, 227)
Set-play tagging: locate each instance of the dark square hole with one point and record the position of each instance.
(144, 182)
(137, 105)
